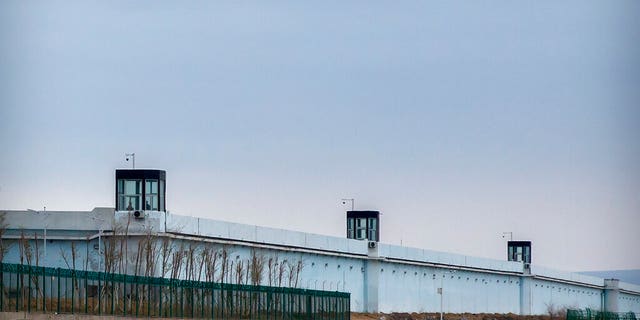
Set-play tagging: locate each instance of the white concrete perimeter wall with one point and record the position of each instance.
(629, 303)
(408, 278)
(403, 279)
(549, 295)
(256, 234)
(444, 258)
(629, 287)
(410, 287)
(567, 276)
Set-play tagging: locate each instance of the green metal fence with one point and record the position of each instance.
(41, 289)
(589, 314)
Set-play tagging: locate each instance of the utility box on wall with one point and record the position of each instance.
(363, 225)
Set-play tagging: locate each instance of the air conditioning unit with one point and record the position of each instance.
(138, 214)
(372, 244)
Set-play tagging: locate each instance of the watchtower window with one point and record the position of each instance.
(361, 228)
(129, 194)
(161, 195)
(350, 229)
(151, 194)
(372, 229)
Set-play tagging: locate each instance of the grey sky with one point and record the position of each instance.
(457, 119)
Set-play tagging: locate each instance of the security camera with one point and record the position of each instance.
(344, 202)
(127, 159)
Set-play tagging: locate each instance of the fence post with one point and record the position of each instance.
(124, 295)
(86, 292)
(2, 287)
(170, 298)
(213, 309)
(44, 291)
(202, 300)
(160, 287)
(231, 296)
(100, 292)
(268, 303)
(113, 296)
(58, 272)
(29, 294)
(193, 302)
(181, 301)
(149, 297)
(73, 289)
(19, 293)
(222, 300)
(136, 279)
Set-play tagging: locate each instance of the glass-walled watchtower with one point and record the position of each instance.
(363, 225)
(140, 190)
(519, 251)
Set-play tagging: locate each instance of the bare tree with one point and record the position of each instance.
(210, 257)
(556, 312)
(239, 271)
(4, 247)
(166, 251)
(293, 272)
(282, 269)
(35, 280)
(176, 262)
(224, 264)
(150, 250)
(26, 254)
(138, 263)
(24, 247)
(74, 256)
(299, 269)
(257, 267)
(190, 263)
(201, 261)
(272, 265)
(74, 285)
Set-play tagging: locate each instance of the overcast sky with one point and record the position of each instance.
(459, 120)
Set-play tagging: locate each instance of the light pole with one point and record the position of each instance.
(441, 292)
(133, 158)
(352, 200)
(504, 234)
(101, 229)
(46, 225)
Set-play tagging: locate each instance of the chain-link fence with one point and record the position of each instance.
(589, 314)
(41, 289)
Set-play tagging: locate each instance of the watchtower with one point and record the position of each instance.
(363, 225)
(140, 190)
(519, 251)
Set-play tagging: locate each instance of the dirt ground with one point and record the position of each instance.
(449, 316)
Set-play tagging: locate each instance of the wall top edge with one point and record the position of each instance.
(103, 217)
